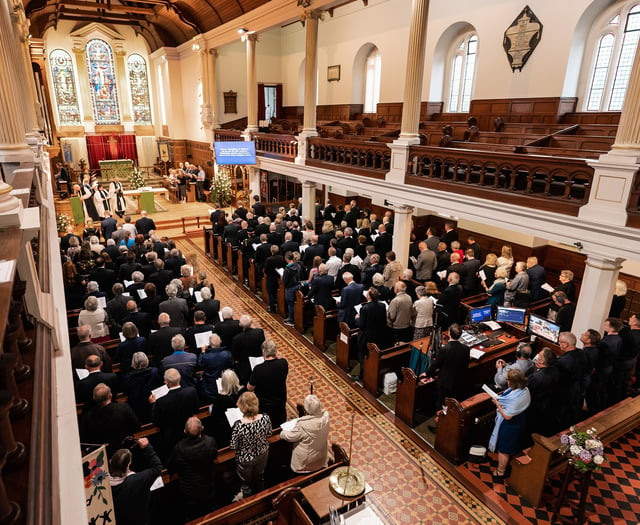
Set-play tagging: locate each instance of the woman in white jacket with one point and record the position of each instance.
(310, 436)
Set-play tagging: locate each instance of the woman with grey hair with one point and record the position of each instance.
(310, 436)
(96, 318)
(138, 382)
(422, 313)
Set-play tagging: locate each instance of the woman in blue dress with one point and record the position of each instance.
(511, 422)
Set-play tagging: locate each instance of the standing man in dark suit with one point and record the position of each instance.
(105, 277)
(247, 343)
(144, 225)
(321, 287)
(351, 296)
(170, 412)
(372, 321)
(228, 328)
(471, 282)
(159, 342)
(84, 387)
(269, 381)
(384, 241)
(450, 234)
(259, 209)
(108, 225)
(537, 278)
(209, 306)
(200, 326)
(450, 366)
(449, 302)
(315, 248)
(176, 307)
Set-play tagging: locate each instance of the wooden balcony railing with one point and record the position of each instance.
(227, 135)
(371, 159)
(276, 146)
(558, 184)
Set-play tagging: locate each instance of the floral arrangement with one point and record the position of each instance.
(136, 179)
(221, 189)
(584, 449)
(62, 221)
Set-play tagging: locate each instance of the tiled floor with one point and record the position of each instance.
(410, 487)
(614, 497)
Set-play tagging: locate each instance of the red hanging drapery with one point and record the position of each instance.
(111, 147)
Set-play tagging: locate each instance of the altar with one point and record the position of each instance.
(144, 198)
(121, 168)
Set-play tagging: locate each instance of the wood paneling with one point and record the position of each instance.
(544, 109)
(338, 111)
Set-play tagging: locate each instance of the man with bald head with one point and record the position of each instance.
(247, 343)
(144, 225)
(192, 459)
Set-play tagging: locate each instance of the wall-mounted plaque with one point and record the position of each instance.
(521, 38)
(230, 101)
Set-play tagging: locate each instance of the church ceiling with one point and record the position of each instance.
(160, 22)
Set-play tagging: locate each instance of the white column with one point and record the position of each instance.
(213, 88)
(24, 75)
(252, 86)
(13, 147)
(596, 291)
(126, 109)
(203, 67)
(309, 201)
(614, 172)
(10, 207)
(402, 226)
(84, 90)
(412, 92)
(310, 83)
(254, 182)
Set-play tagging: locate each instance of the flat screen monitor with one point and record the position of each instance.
(510, 315)
(480, 315)
(544, 328)
(243, 152)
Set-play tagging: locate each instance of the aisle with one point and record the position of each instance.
(409, 486)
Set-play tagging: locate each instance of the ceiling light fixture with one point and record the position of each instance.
(242, 30)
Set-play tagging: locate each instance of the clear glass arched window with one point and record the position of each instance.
(612, 61)
(463, 68)
(372, 76)
(139, 85)
(64, 88)
(102, 82)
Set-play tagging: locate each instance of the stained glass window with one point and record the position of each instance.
(64, 88)
(139, 84)
(102, 82)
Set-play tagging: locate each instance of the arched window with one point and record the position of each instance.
(139, 85)
(612, 60)
(463, 67)
(102, 82)
(64, 88)
(372, 74)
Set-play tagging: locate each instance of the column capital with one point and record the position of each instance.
(308, 184)
(118, 48)
(311, 14)
(403, 209)
(251, 37)
(602, 261)
(213, 52)
(199, 45)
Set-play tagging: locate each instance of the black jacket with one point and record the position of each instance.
(192, 459)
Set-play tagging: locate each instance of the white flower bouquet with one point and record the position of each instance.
(584, 450)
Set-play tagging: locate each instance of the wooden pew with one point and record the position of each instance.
(325, 327)
(240, 266)
(281, 304)
(393, 358)
(464, 424)
(252, 275)
(610, 424)
(232, 258)
(413, 394)
(262, 502)
(346, 346)
(302, 312)
(214, 240)
(207, 234)
(220, 250)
